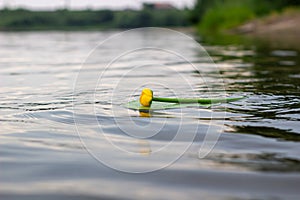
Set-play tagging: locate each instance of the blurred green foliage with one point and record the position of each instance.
(21, 19)
(217, 15)
(225, 16)
(210, 15)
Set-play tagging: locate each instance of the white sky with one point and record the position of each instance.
(81, 4)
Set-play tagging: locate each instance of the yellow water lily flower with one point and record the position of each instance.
(146, 97)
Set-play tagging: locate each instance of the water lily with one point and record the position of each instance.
(146, 97)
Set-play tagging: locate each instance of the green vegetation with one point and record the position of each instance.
(218, 15)
(211, 16)
(24, 19)
(21, 19)
(148, 17)
(226, 16)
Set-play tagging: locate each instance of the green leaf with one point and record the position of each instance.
(170, 104)
(135, 105)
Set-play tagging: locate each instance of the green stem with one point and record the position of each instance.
(201, 101)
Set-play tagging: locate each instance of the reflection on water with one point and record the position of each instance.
(257, 155)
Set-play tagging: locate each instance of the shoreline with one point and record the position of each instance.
(280, 30)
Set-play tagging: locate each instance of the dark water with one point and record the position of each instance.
(45, 104)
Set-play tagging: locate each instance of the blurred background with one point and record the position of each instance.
(209, 16)
(251, 17)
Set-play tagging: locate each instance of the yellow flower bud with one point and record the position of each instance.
(146, 97)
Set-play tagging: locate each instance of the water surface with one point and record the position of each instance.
(42, 156)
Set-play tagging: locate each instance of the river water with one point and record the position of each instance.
(65, 133)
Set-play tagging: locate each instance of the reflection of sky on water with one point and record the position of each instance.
(256, 156)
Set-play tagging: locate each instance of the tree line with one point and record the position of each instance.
(208, 15)
(68, 19)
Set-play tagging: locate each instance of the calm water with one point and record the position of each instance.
(43, 97)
